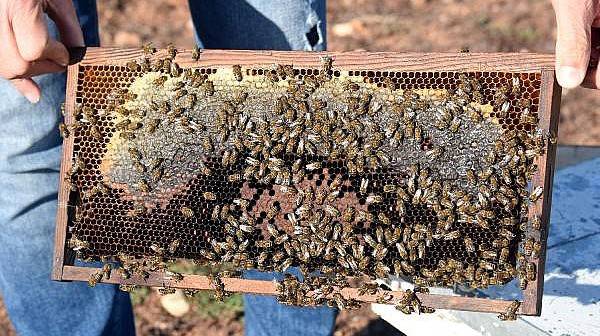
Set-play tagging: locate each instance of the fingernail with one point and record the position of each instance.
(570, 77)
(32, 97)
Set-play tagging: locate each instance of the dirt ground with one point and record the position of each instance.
(383, 25)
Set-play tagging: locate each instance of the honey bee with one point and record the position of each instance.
(488, 254)
(132, 126)
(508, 221)
(500, 96)
(332, 211)
(209, 196)
(166, 290)
(451, 235)
(95, 132)
(471, 177)
(510, 313)
(209, 88)
(434, 153)
(384, 219)
(143, 186)
(173, 246)
(374, 199)
(402, 250)
(469, 245)
(171, 51)
(132, 66)
(389, 83)
(506, 233)
(196, 53)
(364, 183)
(187, 212)
(326, 66)
(313, 166)
(530, 273)
(536, 223)
(516, 85)
(95, 278)
(180, 93)
(106, 270)
(77, 244)
(157, 174)
(64, 130)
(418, 133)
(207, 144)
(175, 276)
(455, 124)
(189, 101)
(503, 254)
(148, 48)
(348, 214)
(272, 212)
(536, 249)
(127, 288)
(352, 86)
(390, 188)
(89, 115)
(122, 125)
(122, 135)
(139, 167)
(77, 165)
(529, 119)
(407, 268)
(98, 188)
(536, 193)
(272, 76)
(237, 72)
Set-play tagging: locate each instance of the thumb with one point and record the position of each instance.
(64, 15)
(574, 20)
(28, 88)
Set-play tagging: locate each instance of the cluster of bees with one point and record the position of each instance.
(351, 224)
(314, 291)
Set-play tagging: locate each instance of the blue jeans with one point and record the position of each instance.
(30, 152)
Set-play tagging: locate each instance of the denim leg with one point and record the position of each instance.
(30, 152)
(264, 316)
(260, 24)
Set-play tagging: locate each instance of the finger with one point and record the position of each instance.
(36, 68)
(29, 28)
(28, 88)
(574, 19)
(56, 52)
(64, 15)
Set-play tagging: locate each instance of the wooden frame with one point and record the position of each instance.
(63, 269)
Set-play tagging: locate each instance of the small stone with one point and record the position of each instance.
(175, 304)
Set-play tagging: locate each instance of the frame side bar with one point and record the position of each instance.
(376, 61)
(549, 114)
(60, 234)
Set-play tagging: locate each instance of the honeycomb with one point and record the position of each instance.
(346, 172)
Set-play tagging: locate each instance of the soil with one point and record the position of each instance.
(383, 25)
(151, 319)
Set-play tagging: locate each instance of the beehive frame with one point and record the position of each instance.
(549, 101)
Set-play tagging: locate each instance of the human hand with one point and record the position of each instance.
(26, 49)
(575, 19)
